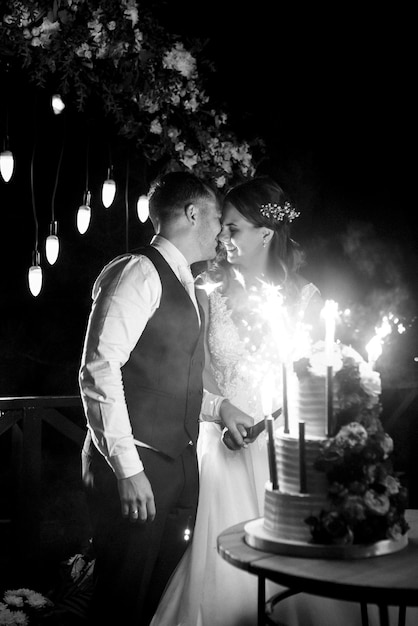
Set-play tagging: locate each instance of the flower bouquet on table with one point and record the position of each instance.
(366, 499)
(24, 607)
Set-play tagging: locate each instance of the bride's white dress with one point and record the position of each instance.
(205, 590)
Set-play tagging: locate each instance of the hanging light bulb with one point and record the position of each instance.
(52, 245)
(142, 208)
(84, 214)
(6, 165)
(108, 190)
(57, 104)
(35, 274)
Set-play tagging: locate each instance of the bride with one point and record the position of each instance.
(257, 252)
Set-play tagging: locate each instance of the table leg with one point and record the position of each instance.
(402, 615)
(364, 614)
(261, 605)
(384, 615)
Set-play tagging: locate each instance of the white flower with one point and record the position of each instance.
(156, 127)
(220, 181)
(131, 11)
(189, 159)
(392, 485)
(12, 599)
(387, 445)
(13, 618)
(180, 60)
(50, 27)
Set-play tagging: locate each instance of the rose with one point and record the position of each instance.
(376, 503)
(350, 435)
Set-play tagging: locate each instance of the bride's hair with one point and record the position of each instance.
(285, 255)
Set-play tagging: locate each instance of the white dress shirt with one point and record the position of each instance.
(125, 295)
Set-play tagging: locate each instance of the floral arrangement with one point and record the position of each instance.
(115, 56)
(23, 606)
(367, 500)
(66, 603)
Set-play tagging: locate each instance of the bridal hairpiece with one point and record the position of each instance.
(279, 212)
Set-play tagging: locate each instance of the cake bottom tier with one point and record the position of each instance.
(285, 513)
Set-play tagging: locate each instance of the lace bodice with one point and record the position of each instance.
(244, 354)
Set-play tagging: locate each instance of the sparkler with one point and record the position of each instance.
(375, 346)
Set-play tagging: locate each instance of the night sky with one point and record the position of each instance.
(329, 93)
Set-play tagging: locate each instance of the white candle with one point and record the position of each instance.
(329, 313)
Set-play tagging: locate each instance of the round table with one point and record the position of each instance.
(389, 580)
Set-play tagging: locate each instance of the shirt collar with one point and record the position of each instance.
(169, 251)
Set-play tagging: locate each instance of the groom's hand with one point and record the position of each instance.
(237, 422)
(136, 498)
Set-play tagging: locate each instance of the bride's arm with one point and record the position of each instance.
(209, 382)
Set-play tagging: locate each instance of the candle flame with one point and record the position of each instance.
(375, 346)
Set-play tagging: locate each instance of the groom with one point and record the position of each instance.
(141, 386)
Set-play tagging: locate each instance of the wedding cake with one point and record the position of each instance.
(337, 489)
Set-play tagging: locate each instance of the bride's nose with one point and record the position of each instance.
(224, 235)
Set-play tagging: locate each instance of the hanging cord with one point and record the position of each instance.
(35, 218)
(87, 162)
(57, 176)
(32, 185)
(127, 205)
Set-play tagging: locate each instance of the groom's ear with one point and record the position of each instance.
(191, 212)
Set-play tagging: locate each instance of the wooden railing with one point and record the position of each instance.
(23, 418)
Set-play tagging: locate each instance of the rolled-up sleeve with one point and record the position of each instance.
(125, 296)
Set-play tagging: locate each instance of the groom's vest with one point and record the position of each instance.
(163, 376)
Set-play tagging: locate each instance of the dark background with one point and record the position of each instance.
(331, 95)
(330, 92)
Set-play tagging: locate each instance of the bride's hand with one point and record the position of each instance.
(237, 422)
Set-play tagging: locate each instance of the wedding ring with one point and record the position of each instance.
(135, 512)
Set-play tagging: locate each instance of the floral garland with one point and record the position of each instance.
(367, 500)
(114, 55)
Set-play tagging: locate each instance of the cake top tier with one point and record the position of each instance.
(356, 386)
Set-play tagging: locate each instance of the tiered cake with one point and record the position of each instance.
(338, 489)
(286, 508)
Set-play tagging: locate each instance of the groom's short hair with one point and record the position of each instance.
(171, 193)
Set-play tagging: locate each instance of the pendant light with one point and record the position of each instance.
(52, 244)
(6, 156)
(35, 274)
(35, 270)
(109, 186)
(84, 214)
(57, 104)
(6, 165)
(84, 210)
(142, 208)
(108, 189)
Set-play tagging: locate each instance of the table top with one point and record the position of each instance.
(390, 579)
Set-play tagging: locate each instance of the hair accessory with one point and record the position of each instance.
(279, 212)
